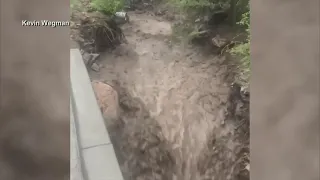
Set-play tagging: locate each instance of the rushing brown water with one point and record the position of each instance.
(173, 102)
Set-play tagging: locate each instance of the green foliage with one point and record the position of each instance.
(73, 3)
(206, 7)
(185, 4)
(245, 20)
(243, 51)
(199, 6)
(107, 6)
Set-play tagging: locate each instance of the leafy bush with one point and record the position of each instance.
(207, 7)
(199, 7)
(107, 6)
(73, 3)
(185, 4)
(243, 51)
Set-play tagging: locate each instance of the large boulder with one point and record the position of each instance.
(108, 100)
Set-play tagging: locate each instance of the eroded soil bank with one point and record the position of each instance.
(174, 100)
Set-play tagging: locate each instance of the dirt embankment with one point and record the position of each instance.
(177, 120)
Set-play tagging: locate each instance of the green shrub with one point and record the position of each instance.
(107, 6)
(207, 7)
(199, 7)
(73, 3)
(243, 51)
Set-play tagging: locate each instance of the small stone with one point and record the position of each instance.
(95, 67)
(247, 167)
(93, 59)
(86, 58)
(94, 56)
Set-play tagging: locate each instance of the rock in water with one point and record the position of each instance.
(95, 67)
(108, 101)
(121, 17)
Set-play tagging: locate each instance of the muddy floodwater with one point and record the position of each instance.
(172, 125)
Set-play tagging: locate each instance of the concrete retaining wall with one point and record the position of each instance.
(93, 156)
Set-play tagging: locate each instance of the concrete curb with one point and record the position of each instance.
(97, 156)
(75, 157)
